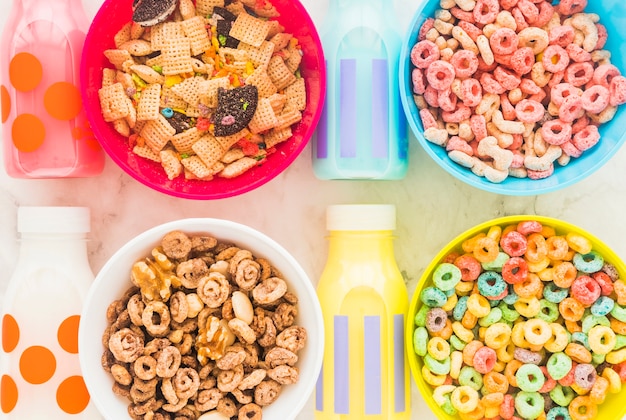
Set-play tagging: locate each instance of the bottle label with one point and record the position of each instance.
(39, 354)
(367, 369)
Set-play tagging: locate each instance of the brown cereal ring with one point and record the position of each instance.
(191, 271)
(226, 252)
(142, 391)
(227, 407)
(213, 289)
(284, 374)
(203, 243)
(107, 360)
(176, 245)
(252, 379)
(145, 407)
(234, 355)
(235, 260)
(284, 316)
(266, 268)
(185, 346)
(121, 375)
(190, 361)
(145, 367)
(292, 338)
(207, 399)
(206, 370)
(277, 356)
(179, 308)
(168, 391)
(113, 310)
(135, 307)
(243, 397)
(106, 336)
(126, 345)
(242, 330)
(187, 326)
(186, 383)
(121, 390)
(252, 356)
(258, 321)
(268, 338)
(154, 345)
(250, 411)
(290, 298)
(122, 321)
(269, 291)
(267, 392)
(228, 312)
(227, 380)
(175, 408)
(208, 383)
(188, 412)
(160, 311)
(247, 274)
(168, 362)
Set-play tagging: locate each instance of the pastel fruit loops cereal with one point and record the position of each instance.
(207, 90)
(513, 87)
(523, 322)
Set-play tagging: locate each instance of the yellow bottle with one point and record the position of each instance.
(365, 374)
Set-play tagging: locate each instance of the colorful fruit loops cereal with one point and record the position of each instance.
(513, 87)
(209, 91)
(523, 322)
(206, 327)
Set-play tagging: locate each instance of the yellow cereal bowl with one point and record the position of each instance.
(613, 407)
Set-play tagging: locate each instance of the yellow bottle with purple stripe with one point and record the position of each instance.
(364, 300)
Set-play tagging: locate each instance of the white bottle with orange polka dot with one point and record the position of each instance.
(40, 376)
(45, 133)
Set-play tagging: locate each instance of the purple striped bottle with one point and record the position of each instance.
(362, 132)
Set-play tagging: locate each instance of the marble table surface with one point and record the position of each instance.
(432, 206)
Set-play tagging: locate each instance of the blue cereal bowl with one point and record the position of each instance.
(613, 133)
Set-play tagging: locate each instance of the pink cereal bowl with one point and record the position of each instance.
(111, 16)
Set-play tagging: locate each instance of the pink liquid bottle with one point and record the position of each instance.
(45, 132)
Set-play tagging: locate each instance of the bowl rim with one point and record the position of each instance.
(559, 225)
(141, 244)
(254, 183)
(463, 174)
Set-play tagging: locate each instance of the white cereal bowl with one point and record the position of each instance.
(114, 279)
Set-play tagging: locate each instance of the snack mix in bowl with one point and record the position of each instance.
(203, 99)
(205, 326)
(210, 96)
(521, 317)
(201, 319)
(510, 90)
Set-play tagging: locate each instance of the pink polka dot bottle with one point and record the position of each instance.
(45, 133)
(40, 375)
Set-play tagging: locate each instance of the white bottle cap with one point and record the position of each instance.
(53, 219)
(361, 217)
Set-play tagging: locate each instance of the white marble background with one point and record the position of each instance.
(433, 207)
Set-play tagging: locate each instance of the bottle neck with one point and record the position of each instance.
(54, 245)
(49, 9)
(345, 4)
(49, 3)
(361, 245)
